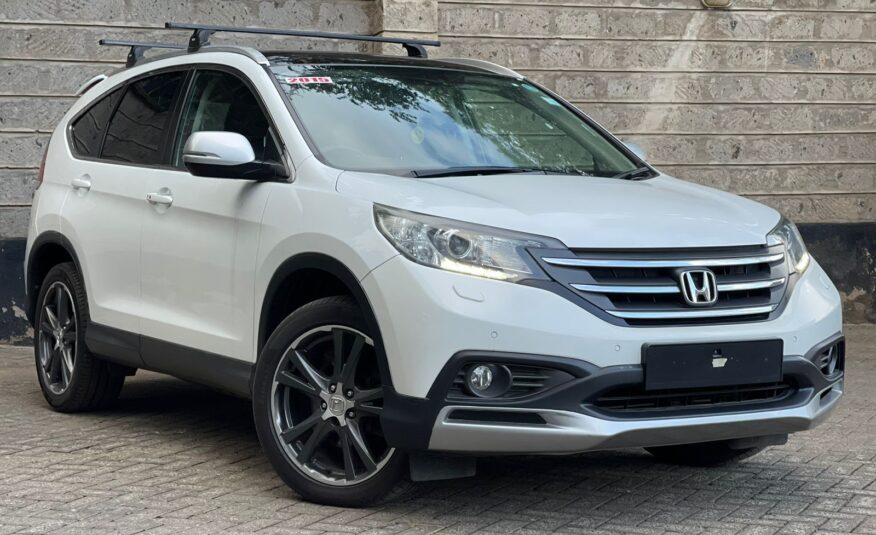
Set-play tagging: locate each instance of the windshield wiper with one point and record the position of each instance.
(639, 172)
(488, 170)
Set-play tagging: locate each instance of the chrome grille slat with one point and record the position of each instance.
(618, 289)
(674, 289)
(753, 285)
(696, 313)
(668, 263)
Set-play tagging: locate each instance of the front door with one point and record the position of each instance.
(200, 235)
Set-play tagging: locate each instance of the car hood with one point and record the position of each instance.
(582, 212)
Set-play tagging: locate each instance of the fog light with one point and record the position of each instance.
(487, 380)
(480, 378)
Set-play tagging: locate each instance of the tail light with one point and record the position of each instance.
(42, 169)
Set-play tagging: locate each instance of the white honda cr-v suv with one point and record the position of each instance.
(401, 260)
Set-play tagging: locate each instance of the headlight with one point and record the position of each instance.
(786, 233)
(461, 247)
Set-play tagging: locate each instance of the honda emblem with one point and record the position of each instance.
(698, 287)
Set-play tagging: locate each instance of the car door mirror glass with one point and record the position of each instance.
(226, 155)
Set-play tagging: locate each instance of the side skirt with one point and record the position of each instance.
(194, 365)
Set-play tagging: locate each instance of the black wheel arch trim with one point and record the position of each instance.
(317, 261)
(398, 410)
(49, 237)
(336, 268)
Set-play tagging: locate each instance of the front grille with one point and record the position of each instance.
(643, 287)
(635, 399)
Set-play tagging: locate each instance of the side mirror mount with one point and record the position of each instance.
(227, 155)
(637, 150)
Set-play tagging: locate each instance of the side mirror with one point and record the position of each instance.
(637, 150)
(227, 155)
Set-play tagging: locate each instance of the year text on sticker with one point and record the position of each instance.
(309, 80)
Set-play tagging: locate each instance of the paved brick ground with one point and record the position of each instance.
(176, 458)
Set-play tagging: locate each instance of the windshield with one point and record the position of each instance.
(415, 121)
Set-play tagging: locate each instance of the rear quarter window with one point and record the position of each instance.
(86, 133)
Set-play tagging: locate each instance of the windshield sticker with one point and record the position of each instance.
(305, 80)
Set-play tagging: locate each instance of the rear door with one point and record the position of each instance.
(117, 144)
(200, 246)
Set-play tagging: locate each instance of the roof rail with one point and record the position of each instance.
(202, 32)
(137, 48)
(93, 81)
(486, 65)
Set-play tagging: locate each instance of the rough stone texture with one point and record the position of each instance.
(176, 458)
(850, 260)
(707, 88)
(17, 186)
(29, 114)
(847, 208)
(13, 223)
(574, 22)
(744, 119)
(21, 149)
(668, 149)
(48, 80)
(353, 15)
(408, 16)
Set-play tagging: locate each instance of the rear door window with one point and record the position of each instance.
(139, 128)
(87, 131)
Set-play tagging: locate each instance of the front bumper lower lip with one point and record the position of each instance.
(572, 432)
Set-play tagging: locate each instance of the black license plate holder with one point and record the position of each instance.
(675, 366)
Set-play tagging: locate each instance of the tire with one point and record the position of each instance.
(72, 379)
(704, 454)
(316, 408)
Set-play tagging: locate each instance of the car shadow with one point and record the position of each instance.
(586, 489)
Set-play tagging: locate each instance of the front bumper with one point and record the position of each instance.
(426, 316)
(570, 417)
(567, 419)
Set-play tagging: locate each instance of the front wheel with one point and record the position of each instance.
(317, 400)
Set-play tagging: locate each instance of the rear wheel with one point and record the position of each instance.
(704, 454)
(317, 401)
(71, 378)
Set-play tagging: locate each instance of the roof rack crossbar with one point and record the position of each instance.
(201, 34)
(137, 48)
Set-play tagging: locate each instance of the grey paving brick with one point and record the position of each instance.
(176, 458)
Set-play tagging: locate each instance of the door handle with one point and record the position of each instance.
(162, 199)
(82, 183)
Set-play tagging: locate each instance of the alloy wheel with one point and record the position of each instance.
(326, 402)
(57, 338)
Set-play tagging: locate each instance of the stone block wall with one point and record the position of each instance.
(772, 99)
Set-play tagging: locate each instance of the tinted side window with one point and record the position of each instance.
(137, 131)
(87, 131)
(220, 101)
